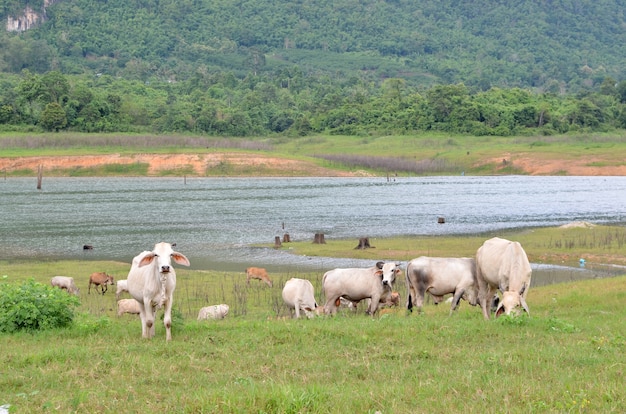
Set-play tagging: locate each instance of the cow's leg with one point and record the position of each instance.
(456, 299)
(149, 318)
(142, 315)
(297, 309)
(419, 299)
(167, 319)
(485, 294)
(373, 306)
(330, 308)
(104, 287)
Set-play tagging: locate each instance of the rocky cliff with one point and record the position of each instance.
(29, 18)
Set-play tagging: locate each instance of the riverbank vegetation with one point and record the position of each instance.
(404, 155)
(566, 245)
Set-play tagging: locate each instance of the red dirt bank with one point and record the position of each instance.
(264, 165)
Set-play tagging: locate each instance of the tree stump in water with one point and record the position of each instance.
(286, 238)
(364, 243)
(319, 238)
(441, 220)
(277, 243)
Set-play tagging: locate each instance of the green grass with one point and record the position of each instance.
(469, 154)
(568, 357)
(551, 245)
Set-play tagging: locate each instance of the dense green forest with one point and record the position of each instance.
(344, 66)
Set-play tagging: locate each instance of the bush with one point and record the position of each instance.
(33, 306)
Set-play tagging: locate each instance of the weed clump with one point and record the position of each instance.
(34, 306)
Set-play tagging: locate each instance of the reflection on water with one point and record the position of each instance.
(214, 221)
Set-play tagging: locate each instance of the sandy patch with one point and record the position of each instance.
(157, 163)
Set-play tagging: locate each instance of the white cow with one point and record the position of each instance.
(66, 283)
(299, 295)
(128, 306)
(356, 284)
(151, 281)
(213, 312)
(502, 264)
(440, 276)
(122, 286)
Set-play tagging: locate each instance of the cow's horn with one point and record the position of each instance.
(380, 264)
(524, 305)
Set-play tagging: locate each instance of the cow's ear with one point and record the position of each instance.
(147, 259)
(500, 310)
(379, 274)
(180, 259)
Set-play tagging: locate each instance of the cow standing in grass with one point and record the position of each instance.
(151, 282)
(502, 264)
(65, 283)
(258, 273)
(102, 280)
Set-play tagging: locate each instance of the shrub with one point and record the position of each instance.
(33, 306)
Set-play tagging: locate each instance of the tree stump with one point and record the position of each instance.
(441, 220)
(277, 243)
(286, 238)
(364, 243)
(319, 238)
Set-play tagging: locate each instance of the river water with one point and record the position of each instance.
(215, 221)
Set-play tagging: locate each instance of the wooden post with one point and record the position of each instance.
(286, 238)
(277, 243)
(39, 176)
(441, 220)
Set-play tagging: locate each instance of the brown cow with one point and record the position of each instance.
(100, 279)
(258, 273)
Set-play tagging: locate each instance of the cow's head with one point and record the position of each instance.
(511, 302)
(110, 280)
(164, 254)
(388, 272)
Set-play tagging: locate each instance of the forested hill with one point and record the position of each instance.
(550, 45)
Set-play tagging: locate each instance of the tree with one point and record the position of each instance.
(53, 117)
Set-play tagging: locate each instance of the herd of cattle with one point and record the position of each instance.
(499, 266)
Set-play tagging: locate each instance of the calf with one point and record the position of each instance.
(213, 312)
(122, 286)
(100, 279)
(127, 306)
(298, 294)
(258, 273)
(66, 283)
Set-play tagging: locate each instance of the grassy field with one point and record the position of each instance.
(567, 357)
(424, 154)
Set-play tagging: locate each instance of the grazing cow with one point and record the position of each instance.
(439, 276)
(298, 295)
(213, 312)
(151, 281)
(100, 279)
(128, 306)
(502, 264)
(258, 273)
(122, 286)
(356, 284)
(66, 283)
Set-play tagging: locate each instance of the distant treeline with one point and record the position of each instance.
(292, 104)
